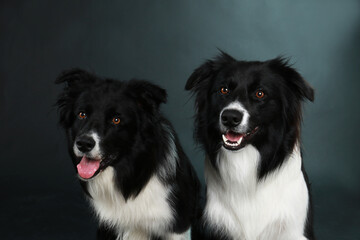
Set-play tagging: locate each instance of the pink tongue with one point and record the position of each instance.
(233, 137)
(87, 168)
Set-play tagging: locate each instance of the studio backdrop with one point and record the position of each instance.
(163, 42)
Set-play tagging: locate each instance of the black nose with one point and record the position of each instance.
(85, 144)
(231, 118)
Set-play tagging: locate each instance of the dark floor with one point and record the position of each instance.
(61, 212)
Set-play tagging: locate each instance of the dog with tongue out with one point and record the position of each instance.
(127, 157)
(87, 167)
(84, 147)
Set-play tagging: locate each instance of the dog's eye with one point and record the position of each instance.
(116, 120)
(82, 115)
(260, 94)
(224, 90)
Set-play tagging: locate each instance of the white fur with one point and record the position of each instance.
(136, 217)
(138, 235)
(272, 209)
(170, 165)
(243, 126)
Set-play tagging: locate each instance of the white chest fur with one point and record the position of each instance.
(148, 212)
(275, 208)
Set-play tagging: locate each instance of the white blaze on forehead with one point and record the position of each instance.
(236, 105)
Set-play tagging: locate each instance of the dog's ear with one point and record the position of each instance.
(200, 77)
(74, 77)
(76, 80)
(296, 82)
(147, 94)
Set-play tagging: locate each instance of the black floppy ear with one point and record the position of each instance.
(304, 87)
(146, 93)
(296, 82)
(74, 77)
(202, 74)
(199, 76)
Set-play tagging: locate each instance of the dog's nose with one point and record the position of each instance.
(231, 118)
(85, 144)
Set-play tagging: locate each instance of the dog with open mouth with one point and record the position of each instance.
(248, 117)
(128, 158)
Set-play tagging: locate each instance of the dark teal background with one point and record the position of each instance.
(164, 41)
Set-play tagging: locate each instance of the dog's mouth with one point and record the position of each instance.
(234, 141)
(88, 167)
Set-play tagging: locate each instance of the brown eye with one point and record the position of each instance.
(116, 120)
(260, 94)
(82, 115)
(224, 90)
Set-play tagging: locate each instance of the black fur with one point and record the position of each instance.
(135, 148)
(278, 114)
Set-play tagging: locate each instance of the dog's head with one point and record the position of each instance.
(242, 102)
(106, 120)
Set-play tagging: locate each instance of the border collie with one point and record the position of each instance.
(248, 117)
(127, 156)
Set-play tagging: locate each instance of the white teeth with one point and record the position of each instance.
(224, 138)
(232, 144)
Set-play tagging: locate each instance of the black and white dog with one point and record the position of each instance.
(248, 117)
(128, 157)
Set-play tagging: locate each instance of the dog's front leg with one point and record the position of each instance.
(135, 234)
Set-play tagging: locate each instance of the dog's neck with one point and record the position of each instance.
(275, 146)
(240, 169)
(238, 201)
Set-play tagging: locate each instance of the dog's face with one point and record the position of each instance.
(105, 120)
(240, 103)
